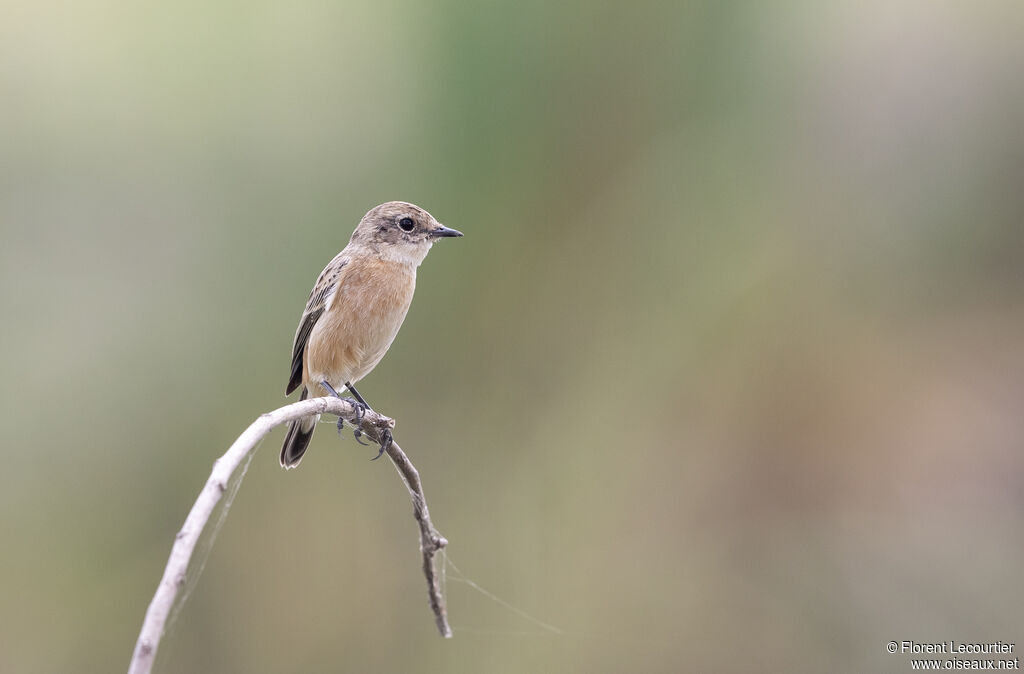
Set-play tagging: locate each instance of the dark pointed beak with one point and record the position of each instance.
(443, 231)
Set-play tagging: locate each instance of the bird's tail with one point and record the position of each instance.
(296, 440)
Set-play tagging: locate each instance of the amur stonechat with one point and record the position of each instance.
(356, 308)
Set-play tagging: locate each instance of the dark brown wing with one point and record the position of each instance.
(322, 291)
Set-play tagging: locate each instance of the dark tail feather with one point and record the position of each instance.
(297, 439)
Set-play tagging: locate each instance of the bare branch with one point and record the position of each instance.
(175, 575)
(431, 541)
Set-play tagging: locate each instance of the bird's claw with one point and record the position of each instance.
(360, 410)
(385, 442)
(360, 407)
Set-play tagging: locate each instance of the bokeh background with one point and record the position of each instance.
(728, 371)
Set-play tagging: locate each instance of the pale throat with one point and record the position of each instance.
(403, 253)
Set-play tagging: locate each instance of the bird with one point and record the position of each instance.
(355, 309)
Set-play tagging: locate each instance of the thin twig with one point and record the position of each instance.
(175, 575)
(431, 541)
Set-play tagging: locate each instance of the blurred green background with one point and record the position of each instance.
(728, 371)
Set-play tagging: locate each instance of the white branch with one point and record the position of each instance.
(175, 575)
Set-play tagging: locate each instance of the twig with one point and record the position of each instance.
(175, 575)
(431, 541)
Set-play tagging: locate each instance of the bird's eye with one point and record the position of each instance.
(406, 224)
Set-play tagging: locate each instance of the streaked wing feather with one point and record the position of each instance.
(322, 291)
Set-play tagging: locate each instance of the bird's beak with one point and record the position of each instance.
(443, 231)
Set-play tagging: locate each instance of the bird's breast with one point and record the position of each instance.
(361, 320)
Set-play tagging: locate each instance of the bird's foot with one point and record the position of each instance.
(385, 442)
(357, 403)
(361, 408)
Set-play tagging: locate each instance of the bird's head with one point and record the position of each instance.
(400, 231)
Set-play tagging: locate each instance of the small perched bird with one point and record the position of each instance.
(355, 309)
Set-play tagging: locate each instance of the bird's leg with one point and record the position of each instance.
(385, 436)
(363, 405)
(355, 393)
(360, 411)
(359, 404)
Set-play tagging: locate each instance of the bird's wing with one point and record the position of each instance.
(321, 294)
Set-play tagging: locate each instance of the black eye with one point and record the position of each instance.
(406, 224)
